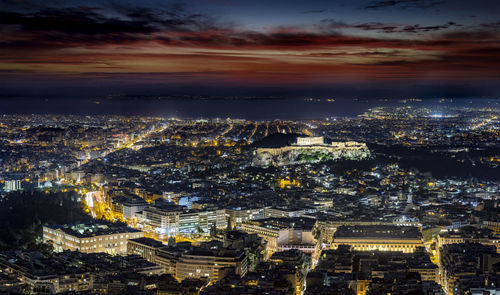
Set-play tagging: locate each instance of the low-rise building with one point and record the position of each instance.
(378, 237)
(466, 261)
(90, 238)
(284, 233)
(210, 265)
(128, 206)
(469, 234)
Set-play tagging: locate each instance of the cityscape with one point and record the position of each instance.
(211, 147)
(269, 207)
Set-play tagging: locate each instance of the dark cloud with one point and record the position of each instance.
(494, 25)
(403, 4)
(82, 25)
(392, 63)
(95, 20)
(375, 53)
(474, 35)
(75, 20)
(313, 11)
(385, 27)
(481, 57)
(174, 25)
(419, 28)
(404, 48)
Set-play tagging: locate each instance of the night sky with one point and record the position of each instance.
(391, 47)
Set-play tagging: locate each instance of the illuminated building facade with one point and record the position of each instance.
(156, 252)
(494, 226)
(12, 185)
(329, 227)
(239, 216)
(200, 263)
(144, 247)
(199, 222)
(468, 234)
(378, 237)
(465, 261)
(128, 206)
(90, 238)
(174, 221)
(159, 220)
(284, 233)
(317, 140)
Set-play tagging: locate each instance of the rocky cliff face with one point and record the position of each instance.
(299, 155)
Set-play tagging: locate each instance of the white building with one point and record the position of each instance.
(318, 140)
(90, 238)
(12, 185)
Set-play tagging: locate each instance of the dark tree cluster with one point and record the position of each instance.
(22, 215)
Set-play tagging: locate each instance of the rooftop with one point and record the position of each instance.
(283, 223)
(378, 232)
(148, 242)
(85, 230)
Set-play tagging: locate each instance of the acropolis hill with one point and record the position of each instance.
(310, 150)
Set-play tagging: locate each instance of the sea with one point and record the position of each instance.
(250, 109)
